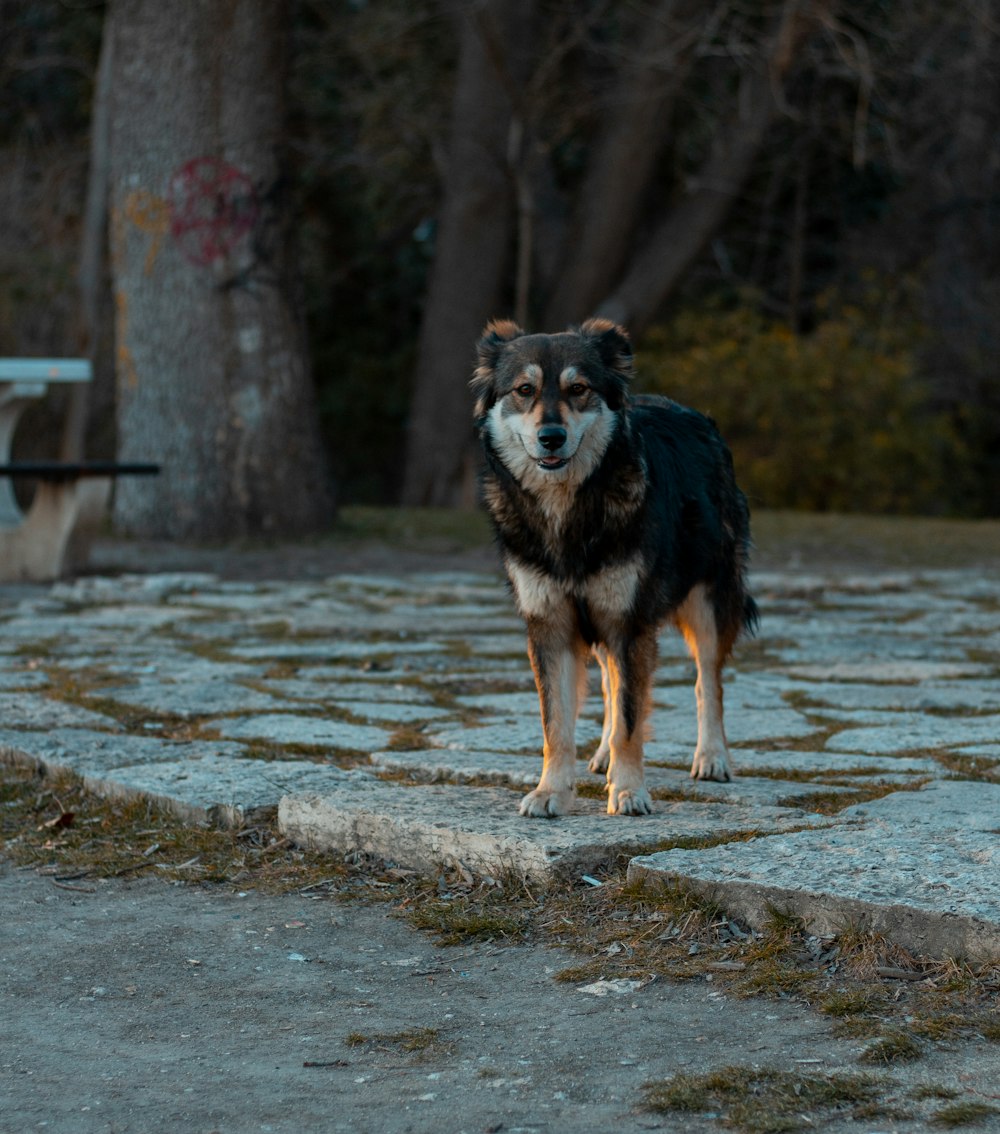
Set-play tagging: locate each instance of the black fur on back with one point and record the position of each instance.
(698, 521)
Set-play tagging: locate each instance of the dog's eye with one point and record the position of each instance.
(578, 389)
(525, 390)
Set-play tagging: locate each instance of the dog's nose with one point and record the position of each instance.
(552, 437)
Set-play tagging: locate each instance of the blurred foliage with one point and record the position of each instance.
(837, 419)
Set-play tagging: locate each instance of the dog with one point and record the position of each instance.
(614, 515)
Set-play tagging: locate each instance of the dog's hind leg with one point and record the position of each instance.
(599, 761)
(630, 666)
(696, 620)
(558, 659)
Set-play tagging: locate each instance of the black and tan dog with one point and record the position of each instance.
(614, 515)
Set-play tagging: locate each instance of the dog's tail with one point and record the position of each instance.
(751, 616)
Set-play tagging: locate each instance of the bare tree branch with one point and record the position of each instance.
(691, 224)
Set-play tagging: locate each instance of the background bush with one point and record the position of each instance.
(834, 419)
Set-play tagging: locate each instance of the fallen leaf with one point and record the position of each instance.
(63, 820)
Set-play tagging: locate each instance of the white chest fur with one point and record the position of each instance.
(610, 591)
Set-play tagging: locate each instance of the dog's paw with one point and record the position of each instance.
(544, 804)
(629, 801)
(599, 761)
(712, 765)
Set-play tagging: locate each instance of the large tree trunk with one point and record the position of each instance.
(692, 222)
(473, 241)
(212, 372)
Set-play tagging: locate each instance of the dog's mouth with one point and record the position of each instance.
(550, 463)
(547, 462)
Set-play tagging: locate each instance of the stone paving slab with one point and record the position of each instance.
(428, 826)
(101, 753)
(291, 728)
(969, 694)
(826, 763)
(858, 683)
(930, 732)
(41, 712)
(188, 699)
(204, 781)
(921, 868)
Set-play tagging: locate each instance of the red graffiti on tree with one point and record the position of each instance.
(213, 206)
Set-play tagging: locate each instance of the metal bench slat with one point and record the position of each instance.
(74, 470)
(45, 370)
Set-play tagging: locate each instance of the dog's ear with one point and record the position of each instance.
(612, 342)
(495, 337)
(615, 349)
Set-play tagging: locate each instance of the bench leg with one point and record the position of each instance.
(55, 535)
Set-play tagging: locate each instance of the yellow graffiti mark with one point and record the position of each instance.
(151, 215)
(126, 363)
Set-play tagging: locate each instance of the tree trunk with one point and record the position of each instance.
(473, 241)
(211, 369)
(93, 246)
(690, 225)
(621, 166)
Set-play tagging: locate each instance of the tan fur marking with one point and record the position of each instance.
(627, 794)
(559, 677)
(696, 621)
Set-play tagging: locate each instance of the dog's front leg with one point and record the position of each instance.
(557, 659)
(630, 666)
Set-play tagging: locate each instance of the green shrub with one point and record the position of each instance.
(834, 420)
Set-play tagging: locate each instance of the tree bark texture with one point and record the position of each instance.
(690, 224)
(633, 137)
(473, 241)
(211, 369)
(93, 263)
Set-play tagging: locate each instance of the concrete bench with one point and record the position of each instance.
(71, 497)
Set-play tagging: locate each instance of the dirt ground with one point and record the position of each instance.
(144, 1007)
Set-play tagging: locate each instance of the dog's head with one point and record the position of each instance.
(549, 404)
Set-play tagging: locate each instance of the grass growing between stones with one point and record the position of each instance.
(832, 802)
(767, 1100)
(72, 687)
(965, 767)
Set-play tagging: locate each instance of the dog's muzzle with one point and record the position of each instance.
(551, 438)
